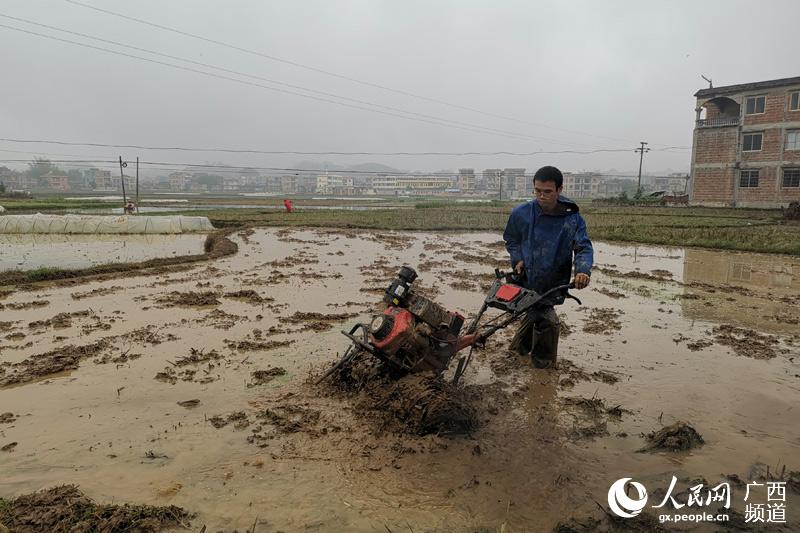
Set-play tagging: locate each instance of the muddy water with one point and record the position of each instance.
(30, 251)
(120, 434)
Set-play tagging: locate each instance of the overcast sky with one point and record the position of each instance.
(572, 75)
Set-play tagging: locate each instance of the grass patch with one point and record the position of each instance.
(751, 230)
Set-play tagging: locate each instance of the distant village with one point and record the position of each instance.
(506, 183)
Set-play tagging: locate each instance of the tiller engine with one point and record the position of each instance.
(415, 334)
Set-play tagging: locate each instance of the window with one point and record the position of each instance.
(791, 177)
(794, 101)
(755, 105)
(793, 140)
(748, 178)
(741, 271)
(751, 142)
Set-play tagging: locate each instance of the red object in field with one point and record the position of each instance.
(507, 292)
(288, 205)
(399, 322)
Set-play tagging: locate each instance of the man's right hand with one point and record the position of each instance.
(519, 267)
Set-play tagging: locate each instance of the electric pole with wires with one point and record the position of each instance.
(641, 151)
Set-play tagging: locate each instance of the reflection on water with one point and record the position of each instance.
(728, 268)
(763, 280)
(30, 251)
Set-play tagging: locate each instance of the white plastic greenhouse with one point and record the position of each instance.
(40, 223)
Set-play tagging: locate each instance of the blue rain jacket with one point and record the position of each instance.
(546, 244)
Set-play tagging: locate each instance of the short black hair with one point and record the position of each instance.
(549, 174)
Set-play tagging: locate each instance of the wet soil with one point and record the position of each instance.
(679, 436)
(603, 320)
(66, 508)
(511, 448)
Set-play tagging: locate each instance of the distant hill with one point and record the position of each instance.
(362, 167)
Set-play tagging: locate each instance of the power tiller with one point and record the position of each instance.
(415, 334)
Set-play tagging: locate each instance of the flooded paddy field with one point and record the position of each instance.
(192, 389)
(30, 251)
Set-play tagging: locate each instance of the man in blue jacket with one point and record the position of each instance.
(545, 238)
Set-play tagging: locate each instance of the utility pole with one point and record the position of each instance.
(122, 180)
(501, 187)
(641, 151)
(137, 183)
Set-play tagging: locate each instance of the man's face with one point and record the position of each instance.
(547, 194)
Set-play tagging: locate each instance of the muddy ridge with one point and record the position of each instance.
(66, 508)
(216, 245)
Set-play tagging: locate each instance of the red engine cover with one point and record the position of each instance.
(402, 327)
(507, 293)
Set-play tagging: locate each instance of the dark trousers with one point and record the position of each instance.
(538, 336)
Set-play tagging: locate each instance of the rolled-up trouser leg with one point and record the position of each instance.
(545, 338)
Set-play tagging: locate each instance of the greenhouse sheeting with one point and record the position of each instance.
(88, 224)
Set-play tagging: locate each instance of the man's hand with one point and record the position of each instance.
(519, 267)
(581, 280)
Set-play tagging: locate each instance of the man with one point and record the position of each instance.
(541, 237)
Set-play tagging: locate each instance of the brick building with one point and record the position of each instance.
(746, 148)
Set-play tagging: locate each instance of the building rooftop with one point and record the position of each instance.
(742, 87)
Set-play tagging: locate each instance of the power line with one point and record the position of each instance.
(172, 167)
(298, 152)
(277, 82)
(330, 73)
(244, 82)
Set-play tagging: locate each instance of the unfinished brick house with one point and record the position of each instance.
(746, 149)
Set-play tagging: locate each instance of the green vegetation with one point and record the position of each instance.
(52, 204)
(754, 230)
(751, 230)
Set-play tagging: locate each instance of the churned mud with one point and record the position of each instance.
(66, 508)
(193, 385)
(679, 436)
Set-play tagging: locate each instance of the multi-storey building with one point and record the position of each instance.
(583, 185)
(414, 185)
(101, 178)
(491, 178)
(466, 179)
(746, 148)
(333, 184)
(516, 184)
(58, 182)
(179, 181)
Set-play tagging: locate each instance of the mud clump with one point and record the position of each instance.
(418, 404)
(679, 436)
(238, 419)
(249, 346)
(66, 508)
(262, 377)
(20, 306)
(747, 342)
(7, 418)
(189, 299)
(611, 293)
(318, 321)
(290, 418)
(698, 345)
(60, 321)
(603, 320)
(52, 362)
(426, 405)
(250, 296)
(196, 357)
